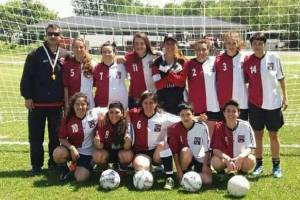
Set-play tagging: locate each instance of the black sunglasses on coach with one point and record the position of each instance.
(53, 33)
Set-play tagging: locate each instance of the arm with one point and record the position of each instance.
(179, 78)
(159, 82)
(26, 83)
(284, 93)
(74, 153)
(66, 95)
(178, 167)
(227, 159)
(98, 144)
(127, 142)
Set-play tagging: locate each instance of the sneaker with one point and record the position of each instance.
(169, 183)
(258, 170)
(277, 172)
(65, 174)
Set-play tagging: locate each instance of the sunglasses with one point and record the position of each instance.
(56, 34)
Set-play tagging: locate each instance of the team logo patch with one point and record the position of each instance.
(270, 66)
(157, 127)
(241, 138)
(197, 140)
(91, 123)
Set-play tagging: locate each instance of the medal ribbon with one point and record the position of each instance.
(53, 64)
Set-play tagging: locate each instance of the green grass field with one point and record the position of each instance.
(17, 182)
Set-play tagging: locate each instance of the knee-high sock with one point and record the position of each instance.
(166, 157)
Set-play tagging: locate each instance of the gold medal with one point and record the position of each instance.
(53, 76)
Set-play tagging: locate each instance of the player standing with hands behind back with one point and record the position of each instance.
(263, 71)
(43, 91)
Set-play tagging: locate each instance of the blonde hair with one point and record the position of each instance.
(203, 41)
(87, 64)
(231, 35)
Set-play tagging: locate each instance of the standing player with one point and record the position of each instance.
(149, 138)
(232, 142)
(189, 142)
(202, 84)
(230, 80)
(169, 75)
(109, 78)
(78, 73)
(76, 138)
(112, 141)
(42, 88)
(137, 64)
(263, 71)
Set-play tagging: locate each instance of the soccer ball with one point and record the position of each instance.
(143, 180)
(191, 181)
(238, 186)
(109, 179)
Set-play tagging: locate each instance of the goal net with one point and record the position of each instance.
(22, 28)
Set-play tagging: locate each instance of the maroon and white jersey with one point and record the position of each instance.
(148, 132)
(263, 75)
(140, 74)
(80, 132)
(75, 80)
(110, 84)
(107, 135)
(202, 86)
(230, 79)
(233, 142)
(196, 138)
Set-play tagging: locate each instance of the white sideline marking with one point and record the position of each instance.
(26, 143)
(12, 62)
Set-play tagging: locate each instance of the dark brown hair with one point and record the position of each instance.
(144, 37)
(71, 111)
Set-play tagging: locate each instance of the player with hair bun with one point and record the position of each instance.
(78, 73)
(109, 78)
(201, 81)
(230, 79)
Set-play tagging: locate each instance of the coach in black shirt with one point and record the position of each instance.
(42, 88)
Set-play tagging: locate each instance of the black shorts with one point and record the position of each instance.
(197, 166)
(259, 118)
(113, 155)
(214, 116)
(244, 115)
(149, 153)
(84, 161)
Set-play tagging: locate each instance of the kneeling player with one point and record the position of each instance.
(189, 142)
(232, 142)
(76, 138)
(112, 141)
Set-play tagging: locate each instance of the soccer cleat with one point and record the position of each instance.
(277, 172)
(258, 170)
(65, 174)
(36, 170)
(169, 183)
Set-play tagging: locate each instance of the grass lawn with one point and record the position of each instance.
(18, 183)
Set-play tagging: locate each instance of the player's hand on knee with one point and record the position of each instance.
(74, 153)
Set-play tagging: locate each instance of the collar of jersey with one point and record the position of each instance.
(233, 55)
(188, 129)
(234, 128)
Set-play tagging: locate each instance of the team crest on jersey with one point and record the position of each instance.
(92, 124)
(119, 74)
(157, 127)
(197, 140)
(241, 138)
(270, 66)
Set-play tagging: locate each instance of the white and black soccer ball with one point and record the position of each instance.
(238, 186)
(191, 181)
(109, 179)
(143, 180)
